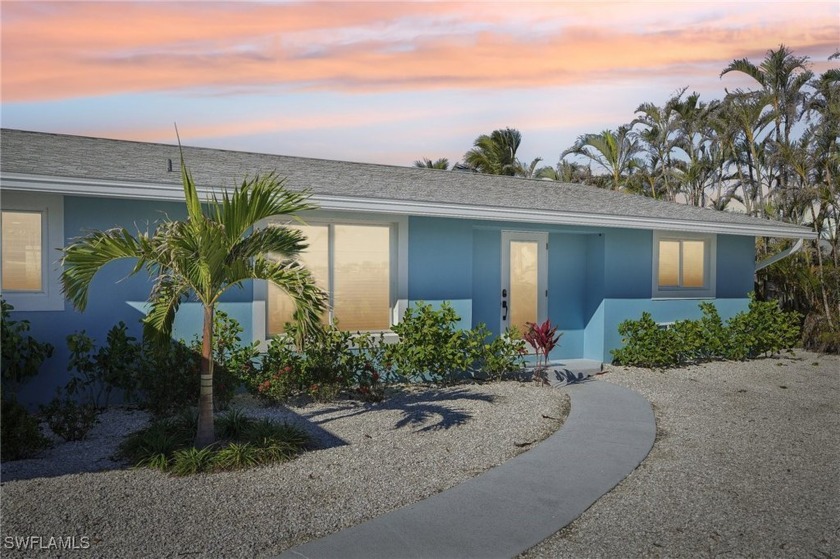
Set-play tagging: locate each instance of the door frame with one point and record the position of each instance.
(541, 238)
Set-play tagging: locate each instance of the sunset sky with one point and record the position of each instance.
(383, 82)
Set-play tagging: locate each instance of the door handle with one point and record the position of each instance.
(504, 307)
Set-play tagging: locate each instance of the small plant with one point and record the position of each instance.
(233, 424)
(543, 338)
(68, 419)
(166, 444)
(190, 461)
(22, 355)
(20, 433)
(499, 356)
(113, 366)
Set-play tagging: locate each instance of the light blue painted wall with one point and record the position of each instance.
(114, 295)
(735, 266)
(598, 278)
(487, 278)
(439, 259)
(567, 291)
(593, 346)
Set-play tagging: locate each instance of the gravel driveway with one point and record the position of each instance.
(380, 457)
(746, 464)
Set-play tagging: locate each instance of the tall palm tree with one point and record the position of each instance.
(659, 134)
(615, 151)
(782, 76)
(426, 163)
(495, 154)
(527, 170)
(217, 247)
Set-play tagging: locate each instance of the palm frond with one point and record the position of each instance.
(281, 241)
(298, 283)
(85, 256)
(255, 200)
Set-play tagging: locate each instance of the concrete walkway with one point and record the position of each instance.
(514, 506)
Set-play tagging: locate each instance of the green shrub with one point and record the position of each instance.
(500, 356)
(430, 347)
(20, 433)
(68, 419)
(762, 330)
(115, 365)
(21, 355)
(332, 360)
(168, 380)
(646, 344)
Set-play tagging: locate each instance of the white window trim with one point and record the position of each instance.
(51, 206)
(709, 267)
(399, 258)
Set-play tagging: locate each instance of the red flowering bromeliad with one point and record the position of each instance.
(543, 338)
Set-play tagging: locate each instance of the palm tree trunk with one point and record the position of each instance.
(206, 435)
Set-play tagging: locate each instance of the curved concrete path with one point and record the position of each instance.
(514, 506)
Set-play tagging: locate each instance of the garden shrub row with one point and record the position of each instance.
(763, 329)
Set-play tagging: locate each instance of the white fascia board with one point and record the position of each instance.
(175, 192)
(556, 217)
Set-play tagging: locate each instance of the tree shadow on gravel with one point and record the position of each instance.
(417, 409)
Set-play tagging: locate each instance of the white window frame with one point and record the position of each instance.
(398, 257)
(709, 267)
(51, 208)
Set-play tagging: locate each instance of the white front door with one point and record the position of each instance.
(524, 293)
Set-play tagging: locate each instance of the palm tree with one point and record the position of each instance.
(426, 163)
(782, 76)
(495, 154)
(527, 170)
(217, 247)
(614, 151)
(659, 134)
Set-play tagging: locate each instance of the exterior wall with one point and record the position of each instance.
(113, 296)
(629, 269)
(597, 278)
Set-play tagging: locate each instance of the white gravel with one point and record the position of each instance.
(397, 452)
(746, 464)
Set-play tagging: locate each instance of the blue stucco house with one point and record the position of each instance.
(502, 250)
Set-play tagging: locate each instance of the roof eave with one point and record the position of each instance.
(174, 192)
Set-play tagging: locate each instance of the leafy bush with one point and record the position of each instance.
(332, 360)
(646, 344)
(68, 419)
(22, 355)
(430, 348)
(763, 329)
(114, 365)
(166, 445)
(20, 433)
(502, 355)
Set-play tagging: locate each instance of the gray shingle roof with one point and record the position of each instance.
(98, 159)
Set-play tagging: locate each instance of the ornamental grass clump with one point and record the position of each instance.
(244, 442)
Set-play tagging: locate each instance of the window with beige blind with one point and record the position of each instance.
(353, 264)
(683, 265)
(31, 234)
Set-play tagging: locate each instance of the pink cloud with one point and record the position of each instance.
(63, 50)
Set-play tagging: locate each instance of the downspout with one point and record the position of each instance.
(779, 256)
